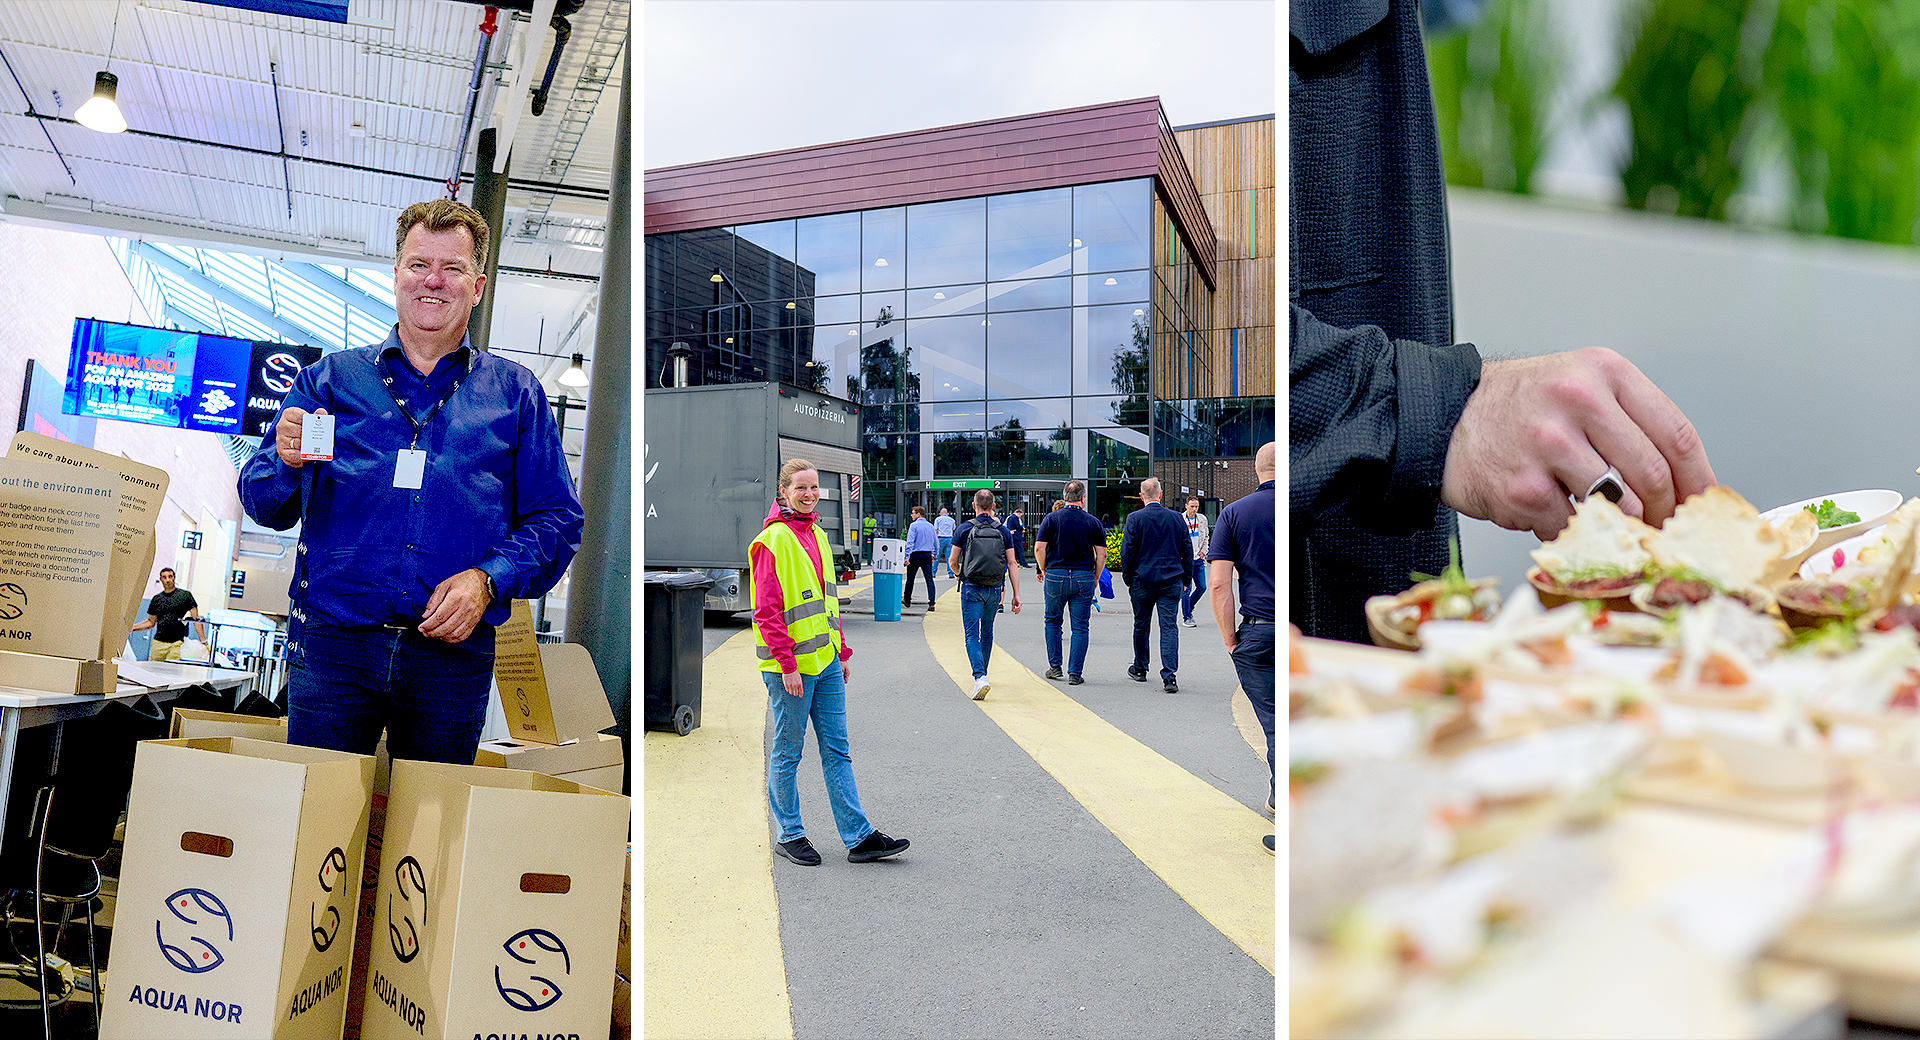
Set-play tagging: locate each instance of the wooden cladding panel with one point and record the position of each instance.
(1244, 222)
(1052, 149)
(1247, 294)
(1232, 157)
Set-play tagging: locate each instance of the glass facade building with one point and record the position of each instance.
(1052, 333)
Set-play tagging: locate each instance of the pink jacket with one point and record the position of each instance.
(768, 600)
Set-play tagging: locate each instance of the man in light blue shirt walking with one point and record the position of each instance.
(943, 529)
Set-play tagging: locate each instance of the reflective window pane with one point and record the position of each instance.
(948, 357)
(946, 299)
(959, 455)
(1114, 356)
(1029, 293)
(947, 242)
(952, 416)
(1016, 452)
(836, 310)
(1117, 455)
(763, 267)
(1030, 234)
(829, 250)
(1028, 352)
(1114, 223)
(1117, 287)
(883, 244)
(879, 308)
(1043, 415)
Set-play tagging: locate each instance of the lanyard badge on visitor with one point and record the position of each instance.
(410, 463)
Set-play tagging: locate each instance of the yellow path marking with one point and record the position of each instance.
(712, 923)
(1203, 844)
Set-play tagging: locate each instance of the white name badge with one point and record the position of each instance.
(316, 438)
(410, 469)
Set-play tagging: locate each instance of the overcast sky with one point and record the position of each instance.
(733, 77)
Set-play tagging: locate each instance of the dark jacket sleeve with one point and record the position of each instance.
(1370, 420)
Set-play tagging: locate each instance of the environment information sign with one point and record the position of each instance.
(56, 546)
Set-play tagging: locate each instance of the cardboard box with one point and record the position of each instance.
(499, 902)
(237, 852)
(551, 692)
(57, 674)
(192, 722)
(140, 492)
(593, 753)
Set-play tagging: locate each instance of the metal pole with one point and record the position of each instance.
(600, 602)
(490, 198)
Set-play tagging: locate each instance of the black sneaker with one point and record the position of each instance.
(799, 850)
(1171, 686)
(1268, 843)
(1055, 672)
(1137, 674)
(876, 846)
(1074, 680)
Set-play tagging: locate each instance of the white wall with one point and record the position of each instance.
(1797, 358)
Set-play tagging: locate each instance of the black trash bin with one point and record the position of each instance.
(674, 624)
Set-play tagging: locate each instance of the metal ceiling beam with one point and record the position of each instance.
(321, 278)
(227, 297)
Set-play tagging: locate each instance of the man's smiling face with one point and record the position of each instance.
(435, 283)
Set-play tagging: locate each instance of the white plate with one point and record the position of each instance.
(1820, 564)
(1873, 507)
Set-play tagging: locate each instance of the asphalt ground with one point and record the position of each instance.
(1086, 860)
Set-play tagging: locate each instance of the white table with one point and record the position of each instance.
(26, 709)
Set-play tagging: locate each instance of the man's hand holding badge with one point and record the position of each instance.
(302, 437)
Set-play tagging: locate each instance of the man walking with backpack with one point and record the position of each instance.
(983, 559)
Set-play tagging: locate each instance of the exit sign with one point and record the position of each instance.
(968, 485)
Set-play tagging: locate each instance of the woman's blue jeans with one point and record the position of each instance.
(1068, 591)
(823, 698)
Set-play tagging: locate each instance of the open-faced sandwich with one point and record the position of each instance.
(1394, 621)
(1716, 542)
(1600, 556)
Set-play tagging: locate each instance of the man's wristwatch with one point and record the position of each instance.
(492, 593)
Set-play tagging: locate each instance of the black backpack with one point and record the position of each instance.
(984, 562)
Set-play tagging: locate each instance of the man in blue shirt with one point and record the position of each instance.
(943, 529)
(1243, 542)
(1155, 558)
(920, 546)
(1070, 554)
(447, 497)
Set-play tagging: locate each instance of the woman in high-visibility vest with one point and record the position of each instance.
(803, 660)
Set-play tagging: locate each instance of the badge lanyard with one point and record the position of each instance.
(410, 465)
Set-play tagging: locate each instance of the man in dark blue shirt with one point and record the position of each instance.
(1153, 559)
(1070, 553)
(1243, 542)
(447, 497)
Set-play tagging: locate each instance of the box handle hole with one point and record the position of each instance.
(558, 884)
(207, 844)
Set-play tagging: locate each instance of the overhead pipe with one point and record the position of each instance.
(562, 29)
(488, 26)
(286, 172)
(43, 128)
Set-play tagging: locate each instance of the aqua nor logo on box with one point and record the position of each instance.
(528, 982)
(198, 918)
(326, 925)
(403, 931)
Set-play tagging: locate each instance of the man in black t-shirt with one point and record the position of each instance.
(1070, 551)
(166, 614)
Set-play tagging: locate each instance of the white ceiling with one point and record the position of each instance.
(373, 112)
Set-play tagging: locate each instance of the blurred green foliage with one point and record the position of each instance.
(1114, 538)
(1720, 95)
(1492, 85)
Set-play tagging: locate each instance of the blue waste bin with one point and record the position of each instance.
(889, 577)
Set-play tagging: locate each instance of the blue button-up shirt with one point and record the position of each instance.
(496, 494)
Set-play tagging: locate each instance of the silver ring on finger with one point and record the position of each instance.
(1609, 485)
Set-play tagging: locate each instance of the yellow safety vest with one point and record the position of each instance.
(811, 609)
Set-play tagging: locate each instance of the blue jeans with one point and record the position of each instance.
(349, 683)
(1196, 588)
(1253, 662)
(941, 562)
(1162, 598)
(823, 698)
(978, 605)
(1068, 589)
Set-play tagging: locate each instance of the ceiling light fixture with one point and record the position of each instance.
(717, 277)
(576, 373)
(882, 262)
(101, 112)
(1111, 281)
(939, 296)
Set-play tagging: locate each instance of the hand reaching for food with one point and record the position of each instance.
(1536, 430)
